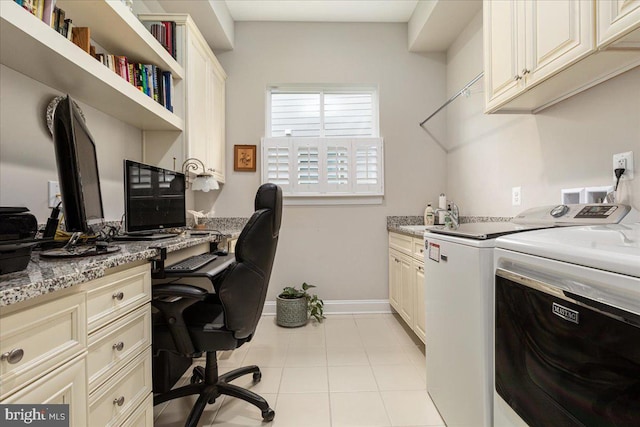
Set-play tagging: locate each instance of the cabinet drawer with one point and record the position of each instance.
(120, 396)
(66, 385)
(46, 335)
(400, 242)
(112, 347)
(418, 249)
(142, 416)
(116, 294)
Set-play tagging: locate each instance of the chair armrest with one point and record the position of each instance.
(178, 290)
(171, 300)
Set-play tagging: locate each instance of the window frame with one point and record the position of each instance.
(304, 194)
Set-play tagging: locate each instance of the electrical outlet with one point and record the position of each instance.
(623, 160)
(54, 193)
(516, 196)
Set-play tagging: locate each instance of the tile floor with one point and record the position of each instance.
(350, 370)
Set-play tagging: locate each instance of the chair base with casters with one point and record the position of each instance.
(206, 383)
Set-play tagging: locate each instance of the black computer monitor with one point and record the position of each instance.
(79, 180)
(154, 198)
(77, 168)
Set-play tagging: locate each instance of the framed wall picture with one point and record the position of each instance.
(244, 158)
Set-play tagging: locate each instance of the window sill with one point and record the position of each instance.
(347, 199)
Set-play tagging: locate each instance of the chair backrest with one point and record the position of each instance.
(243, 289)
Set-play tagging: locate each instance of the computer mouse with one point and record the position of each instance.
(221, 252)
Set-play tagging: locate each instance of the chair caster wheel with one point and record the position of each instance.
(257, 376)
(268, 415)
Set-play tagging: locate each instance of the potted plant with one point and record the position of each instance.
(295, 306)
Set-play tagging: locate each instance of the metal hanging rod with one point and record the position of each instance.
(467, 86)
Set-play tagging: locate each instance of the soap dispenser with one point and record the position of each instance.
(429, 217)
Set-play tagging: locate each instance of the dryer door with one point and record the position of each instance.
(562, 359)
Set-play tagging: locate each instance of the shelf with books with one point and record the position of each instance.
(118, 31)
(34, 49)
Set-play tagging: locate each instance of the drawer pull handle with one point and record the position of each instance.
(119, 401)
(118, 296)
(517, 77)
(525, 71)
(13, 356)
(118, 346)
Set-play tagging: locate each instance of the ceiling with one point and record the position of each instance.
(322, 10)
(432, 24)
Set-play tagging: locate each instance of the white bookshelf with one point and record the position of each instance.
(32, 48)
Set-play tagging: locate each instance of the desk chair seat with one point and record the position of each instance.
(189, 321)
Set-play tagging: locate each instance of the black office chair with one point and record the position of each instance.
(193, 321)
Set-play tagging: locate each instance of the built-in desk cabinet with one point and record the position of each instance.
(406, 280)
(204, 97)
(87, 346)
(538, 53)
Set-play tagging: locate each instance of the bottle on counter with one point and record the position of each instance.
(429, 217)
(442, 204)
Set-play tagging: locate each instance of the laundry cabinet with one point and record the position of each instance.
(406, 280)
(537, 53)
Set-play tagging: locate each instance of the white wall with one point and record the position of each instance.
(340, 249)
(566, 146)
(27, 158)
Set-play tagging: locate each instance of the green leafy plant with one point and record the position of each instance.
(315, 306)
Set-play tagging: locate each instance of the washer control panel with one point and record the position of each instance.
(577, 214)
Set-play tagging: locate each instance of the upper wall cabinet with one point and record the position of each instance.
(616, 19)
(34, 49)
(540, 52)
(204, 95)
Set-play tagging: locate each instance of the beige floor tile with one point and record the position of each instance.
(398, 377)
(304, 380)
(360, 409)
(309, 339)
(176, 412)
(306, 356)
(351, 378)
(270, 382)
(302, 410)
(265, 356)
(343, 338)
(390, 355)
(231, 358)
(346, 356)
(237, 412)
(411, 408)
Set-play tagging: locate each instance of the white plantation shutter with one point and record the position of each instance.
(277, 159)
(368, 164)
(323, 143)
(324, 166)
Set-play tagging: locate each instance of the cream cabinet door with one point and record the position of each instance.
(420, 314)
(197, 133)
(216, 146)
(394, 279)
(616, 18)
(558, 33)
(504, 46)
(406, 289)
(65, 385)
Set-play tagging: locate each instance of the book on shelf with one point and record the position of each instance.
(41, 9)
(81, 37)
(165, 33)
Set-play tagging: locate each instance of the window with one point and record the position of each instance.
(323, 143)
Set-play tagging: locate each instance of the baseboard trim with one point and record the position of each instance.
(342, 307)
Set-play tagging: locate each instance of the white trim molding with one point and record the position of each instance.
(342, 307)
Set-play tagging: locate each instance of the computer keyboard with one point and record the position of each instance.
(191, 264)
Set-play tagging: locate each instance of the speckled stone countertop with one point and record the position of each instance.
(394, 222)
(44, 275)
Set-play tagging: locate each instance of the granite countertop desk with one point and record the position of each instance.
(43, 276)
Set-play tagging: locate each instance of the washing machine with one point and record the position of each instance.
(459, 300)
